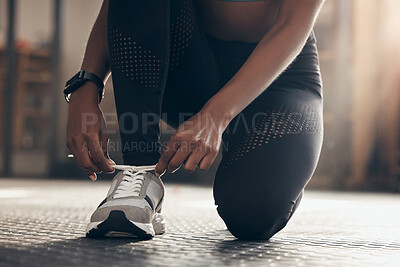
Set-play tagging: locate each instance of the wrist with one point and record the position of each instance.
(80, 79)
(219, 112)
(88, 92)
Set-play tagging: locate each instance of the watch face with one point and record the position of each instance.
(76, 77)
(74, 82)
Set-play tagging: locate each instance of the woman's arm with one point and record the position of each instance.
(96, 58)
(87, 136)
(277, 49)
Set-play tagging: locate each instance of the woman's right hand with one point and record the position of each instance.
(87, 136)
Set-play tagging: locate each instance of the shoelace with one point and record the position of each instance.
(132, 180)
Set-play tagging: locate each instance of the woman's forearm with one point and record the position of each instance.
(272, 55)
(96, 58)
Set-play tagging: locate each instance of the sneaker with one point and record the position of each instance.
(132, 206)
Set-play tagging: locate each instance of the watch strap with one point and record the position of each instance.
(94, 78)
(79, 79)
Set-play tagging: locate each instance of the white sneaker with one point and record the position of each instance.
(132, 206)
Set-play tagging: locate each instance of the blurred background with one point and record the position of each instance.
(42, 44)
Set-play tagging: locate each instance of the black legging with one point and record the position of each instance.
(270, 150)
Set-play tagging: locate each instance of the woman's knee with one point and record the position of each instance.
(248, 221)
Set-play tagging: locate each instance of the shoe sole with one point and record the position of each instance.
(117, 225)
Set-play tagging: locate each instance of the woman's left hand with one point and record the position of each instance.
(196, 142)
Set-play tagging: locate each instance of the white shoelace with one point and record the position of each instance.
(132, 180)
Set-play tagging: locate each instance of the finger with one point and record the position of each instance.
(194, 160)
(104, 140)
(180, 156)
(167, 154)
(81, 155)
(83, 161)
(96, 153)
(207, 161)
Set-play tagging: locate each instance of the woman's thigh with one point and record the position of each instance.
(280, 132)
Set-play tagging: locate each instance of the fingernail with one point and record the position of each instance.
(93, 177)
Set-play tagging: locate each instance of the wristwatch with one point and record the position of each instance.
(79, 79)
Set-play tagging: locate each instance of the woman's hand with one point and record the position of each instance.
(196, 142)
(87, 136)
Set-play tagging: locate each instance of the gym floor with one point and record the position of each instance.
(42, 223)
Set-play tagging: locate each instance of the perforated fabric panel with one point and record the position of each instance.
(142, 65)
(135, 62)
(181, 33)
(280, 122)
